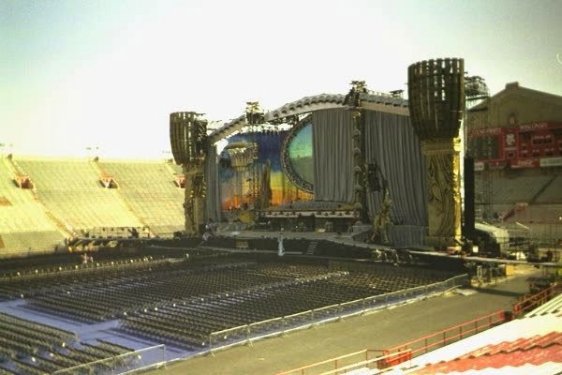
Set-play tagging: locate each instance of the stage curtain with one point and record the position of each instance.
(213, 206)
(333, 155)
(391, 142)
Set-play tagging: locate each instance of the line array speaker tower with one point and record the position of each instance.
(188, 137)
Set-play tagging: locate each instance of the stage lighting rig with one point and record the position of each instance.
(254, 114)
(353, 97)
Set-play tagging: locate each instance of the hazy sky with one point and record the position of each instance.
(106, 73)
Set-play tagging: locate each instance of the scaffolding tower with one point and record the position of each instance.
(476, 91)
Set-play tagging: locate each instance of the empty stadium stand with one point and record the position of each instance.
(24, 224)
(72, 191)
(45, 201)
(149, 190)
(522, 188)
(531, 197)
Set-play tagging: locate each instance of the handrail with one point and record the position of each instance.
(364, 351)
(445, 336)
(382, 360)
(312, 316)
(530, 301)
(459, 331)
(102, 361)
(336, 360)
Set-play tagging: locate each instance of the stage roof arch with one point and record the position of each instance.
(370, 101)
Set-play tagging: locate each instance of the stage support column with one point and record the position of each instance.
(188, 137)
(442, 160)
(353, 100)
(437, 103)
(358, 166)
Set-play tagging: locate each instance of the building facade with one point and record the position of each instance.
(515, 138)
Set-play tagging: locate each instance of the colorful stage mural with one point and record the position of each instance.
(251, 170)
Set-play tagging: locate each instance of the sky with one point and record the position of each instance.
(83, 77)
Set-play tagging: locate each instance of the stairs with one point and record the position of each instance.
(63, 228)
(312, 245)
(122, 199)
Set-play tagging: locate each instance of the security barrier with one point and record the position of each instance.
(131, 362)
(246, 334)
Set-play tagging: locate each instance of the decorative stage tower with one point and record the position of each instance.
(437, 104)
(188, 136)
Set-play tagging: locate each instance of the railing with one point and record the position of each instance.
(367, 358)
(531, 301)
(129, 362)
(422, 345)
(247, 333)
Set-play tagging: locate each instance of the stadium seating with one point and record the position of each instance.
(72, 192)
(70, 197)
(33, 348)
(149, 190)
(182, 302)
(522, 346)
(297, 289)
(520, 189)
(25, 225)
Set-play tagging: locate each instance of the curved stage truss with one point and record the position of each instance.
(306, 105)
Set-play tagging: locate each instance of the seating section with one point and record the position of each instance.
(28, 347)
(140, 290)
(520, 189)
(67, 198)
(24, 224)
(529, 196)
(182, 301)
(536, 351)
(527, 186)
(151, 193)
(531, 345)
(554, 306)
(29, 243)
(37, 282)
(71, 190)
(190, 323)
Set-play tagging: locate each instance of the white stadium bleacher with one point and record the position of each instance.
(148, 188)
(72, 191)
(24, 224)
(69, 197)
(532, 344)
